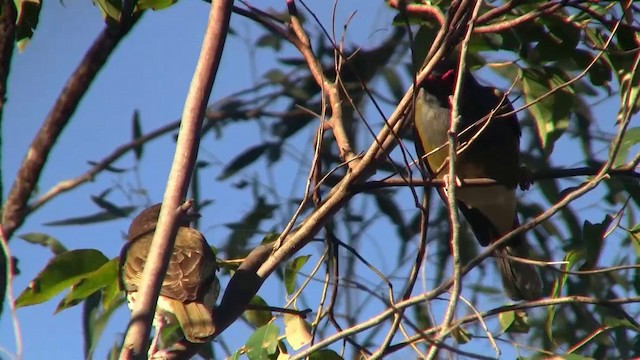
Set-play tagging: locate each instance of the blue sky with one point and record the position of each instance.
(150, 71)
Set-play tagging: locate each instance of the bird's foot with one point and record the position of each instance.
(526, 179)
(153, 349)
(447, 181)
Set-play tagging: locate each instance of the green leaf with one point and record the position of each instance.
(61, 272)
(94, 320)
(243, 160)
(575, 357)
(552, 112)
(269, 40)
(155, 4)
(27, 20)
(108, 168)
(275, 76)
(45, 240)
(106, 275)
(258, 318)
(514, 322)
(631, 137)
(325, 354)
(244, 229)
(137, 132)
(291, 272)
(94, 218)
(110, 207)
(263, 342)
(506, 319)
(593, 238)
(461, 335)
(297, 331)
(110, 9)
(558, 284)
(394, 82)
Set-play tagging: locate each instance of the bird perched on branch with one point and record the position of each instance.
(488, 147)
(190, 287)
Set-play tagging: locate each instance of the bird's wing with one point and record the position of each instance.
(191, 268)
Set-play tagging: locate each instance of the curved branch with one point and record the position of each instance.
(137, 338)
(15, 209)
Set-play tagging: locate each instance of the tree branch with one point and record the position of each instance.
(15, 209)
(136, 340)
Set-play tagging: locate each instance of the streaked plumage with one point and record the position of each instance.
(190, 287)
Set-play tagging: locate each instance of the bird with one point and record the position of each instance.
(190, 287)
(489, 150)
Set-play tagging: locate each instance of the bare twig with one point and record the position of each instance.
(452, 204)
(554, 173)
(521, 306)
(329, 88)
(136, 340)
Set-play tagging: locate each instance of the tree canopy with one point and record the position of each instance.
(338, 215)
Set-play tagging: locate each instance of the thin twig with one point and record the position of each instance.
(452, 204)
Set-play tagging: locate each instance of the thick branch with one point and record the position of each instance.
(136, 340)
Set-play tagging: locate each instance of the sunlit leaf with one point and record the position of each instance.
(106, 275)
(155, 4)
(552, 111)
(297, 331)
(631, 138)
(110, 9)
(461, 335)
(514, 321)
(558, 284)
(27, 20)
(60, 273)
(291, 272)
(263, 342)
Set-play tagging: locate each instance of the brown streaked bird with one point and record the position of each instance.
(494, 154)
(190, 287)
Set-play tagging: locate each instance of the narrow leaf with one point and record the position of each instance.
(61, 272)
(45, 240)
(243, 160)
(137, 133)
(93, 218)
(291, 272)
(107, 274)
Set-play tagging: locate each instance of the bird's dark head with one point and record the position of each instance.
(147, 221)
(440, 84)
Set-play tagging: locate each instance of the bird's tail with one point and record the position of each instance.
(520, 281)
(195, 320)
